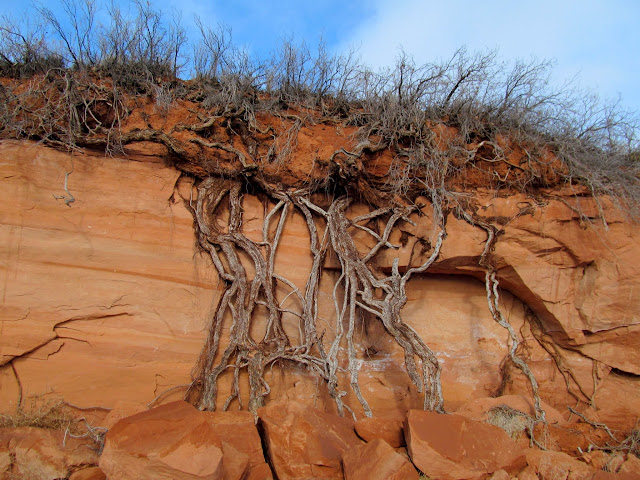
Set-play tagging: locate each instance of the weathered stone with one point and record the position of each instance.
(112, 281)
(528, 473)
(261, 472)
(238, 431)
(500, 475)
(616, 461)
(5, 460)
(452, 447)
(601, 475)
(235, 464)
(600, 460)
(91, 473)
(631, 465)
(558, 466)
(178, 441)
(376, 460)
(44, 454)
(389, 429)
(305, 443)
(172, 441)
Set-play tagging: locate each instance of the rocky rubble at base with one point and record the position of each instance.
(291, 441)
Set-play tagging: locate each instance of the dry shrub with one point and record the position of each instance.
(512, 421)
(42, 414)
(632, 442)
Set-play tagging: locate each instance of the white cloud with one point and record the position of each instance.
(594, 38)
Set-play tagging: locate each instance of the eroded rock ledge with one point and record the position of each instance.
(292, 441)
(107, 298)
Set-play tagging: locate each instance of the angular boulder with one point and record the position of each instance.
(377, 460)
(631, 465)
(28, 452)
(551, 465)
(303, 442)
(91, 473)
(452, 447)
(389, 429)
(239, 433)
(176, 441)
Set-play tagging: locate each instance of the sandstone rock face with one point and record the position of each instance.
(452, 447)
(377, 461)
(106, 300)
(556, 465)
(306, 443)
(631, 465)
(176, 441)
(240, 439)
(389, 429)
(92, 473)
(171, 441)
(28, 452)
(102, 300)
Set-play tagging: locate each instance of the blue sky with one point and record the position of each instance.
(599, 40)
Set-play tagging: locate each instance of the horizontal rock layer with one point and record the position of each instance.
(106, 299)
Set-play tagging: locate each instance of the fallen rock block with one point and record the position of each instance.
(551, 465)
(500, 475)
(28, 452)
(631, 464)
(306, 443)
(91, 473)
(602, 475)
(176, 441)
(238, 430)
(389, 429)
(377, 460)
(452, 447)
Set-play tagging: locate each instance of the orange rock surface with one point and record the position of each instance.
(377, 461)
(452, 447)
(176, 441)
(28, 452)
(306, 443)
(107, 299)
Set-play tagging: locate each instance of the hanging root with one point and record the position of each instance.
(358, 292)
(493, 302)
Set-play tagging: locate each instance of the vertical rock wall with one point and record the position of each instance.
(107, 299)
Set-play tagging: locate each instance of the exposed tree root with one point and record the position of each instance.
(358, 292)
(493, 301)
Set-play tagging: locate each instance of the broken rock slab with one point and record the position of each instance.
(29, 452)
(452, 447)
(377, 460)
(551, 465)
(303, 442)
(389, 429)
(91, 473)
(176, 441)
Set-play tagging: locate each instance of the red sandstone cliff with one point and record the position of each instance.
(107, 299)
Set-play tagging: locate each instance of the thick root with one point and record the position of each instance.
(360, 290)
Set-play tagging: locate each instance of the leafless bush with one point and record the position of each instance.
(481, 97)
(24, 50)
(39, 414)
(512, 421)
(78, 39)
(134, 50)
